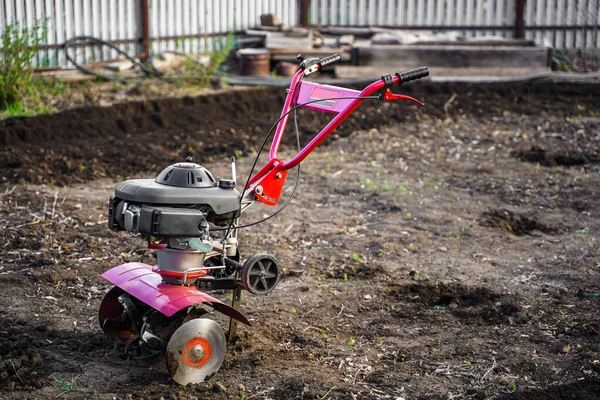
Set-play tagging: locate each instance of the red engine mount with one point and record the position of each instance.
(269, 182)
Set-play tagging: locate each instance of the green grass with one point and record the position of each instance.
(17, 50)
(69, 387)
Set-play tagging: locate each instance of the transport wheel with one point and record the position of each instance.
(196, 351)
(113, 319)
(260, 274)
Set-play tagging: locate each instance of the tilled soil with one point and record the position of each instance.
(448, 252)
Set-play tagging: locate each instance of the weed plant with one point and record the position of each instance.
(21, 92)
(199, 74)
(18, 47)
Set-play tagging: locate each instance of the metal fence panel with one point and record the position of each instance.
(193, 26)
(198, 26)
(564, 24)
(174, 24)
(64, 19)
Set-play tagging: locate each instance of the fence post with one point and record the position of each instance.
(520, 19)
(145, 29)
(304, 11)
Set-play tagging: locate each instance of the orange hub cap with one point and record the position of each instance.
(196, 352)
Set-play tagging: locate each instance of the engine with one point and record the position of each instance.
(174, 212)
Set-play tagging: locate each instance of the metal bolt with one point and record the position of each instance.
(196, 353)
(278, 175)
(258, 190)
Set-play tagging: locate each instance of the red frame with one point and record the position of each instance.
(275, 168)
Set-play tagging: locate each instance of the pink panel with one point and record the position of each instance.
(310, 91)
(141, 282)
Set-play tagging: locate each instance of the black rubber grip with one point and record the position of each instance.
(413, 74)
(332, 59)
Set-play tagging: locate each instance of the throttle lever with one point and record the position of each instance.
(389, 96)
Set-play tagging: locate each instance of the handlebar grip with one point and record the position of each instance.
(413, 74)
(332, 59)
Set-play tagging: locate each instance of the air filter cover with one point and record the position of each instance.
(186, 174)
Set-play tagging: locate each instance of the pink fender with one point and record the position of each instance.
(140, 281)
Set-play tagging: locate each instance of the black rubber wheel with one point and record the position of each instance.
(260, 274)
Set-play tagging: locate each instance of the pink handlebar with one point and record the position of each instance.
(333, 124)
(343, 109)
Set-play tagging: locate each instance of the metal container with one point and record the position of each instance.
(287, 69)
(254, 62)
(179, 260)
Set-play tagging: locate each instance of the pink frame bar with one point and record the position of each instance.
(326, 131)
(311, 91)
(287, 106)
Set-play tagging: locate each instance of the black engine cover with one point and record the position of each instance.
(148, 191)
(182, 196)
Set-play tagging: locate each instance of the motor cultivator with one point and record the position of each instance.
(191, 220)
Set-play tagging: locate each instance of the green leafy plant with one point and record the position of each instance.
(194, 72)
(69, 387)
(433, 185)
(356, 257)
(386, 187)
(18, 48)
(402, 189)
(365, 182)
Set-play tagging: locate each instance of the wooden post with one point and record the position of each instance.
(520, 19)
(304, 12)
(145, 29)
(595, 35)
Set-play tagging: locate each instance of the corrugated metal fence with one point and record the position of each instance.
(478, 15)
(191, 26)
(202, 25)
(115, 20)
(177, 24)
(564, 24)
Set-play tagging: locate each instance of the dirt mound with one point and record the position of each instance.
(514, 223)
(588, 389)
(21, 366)
(144, 137)
(536, 154)
(488, 314)
(470, 305)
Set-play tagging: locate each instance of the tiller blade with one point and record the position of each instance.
(113, 318)
(196, 351)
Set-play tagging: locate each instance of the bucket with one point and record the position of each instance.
(254, 62)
